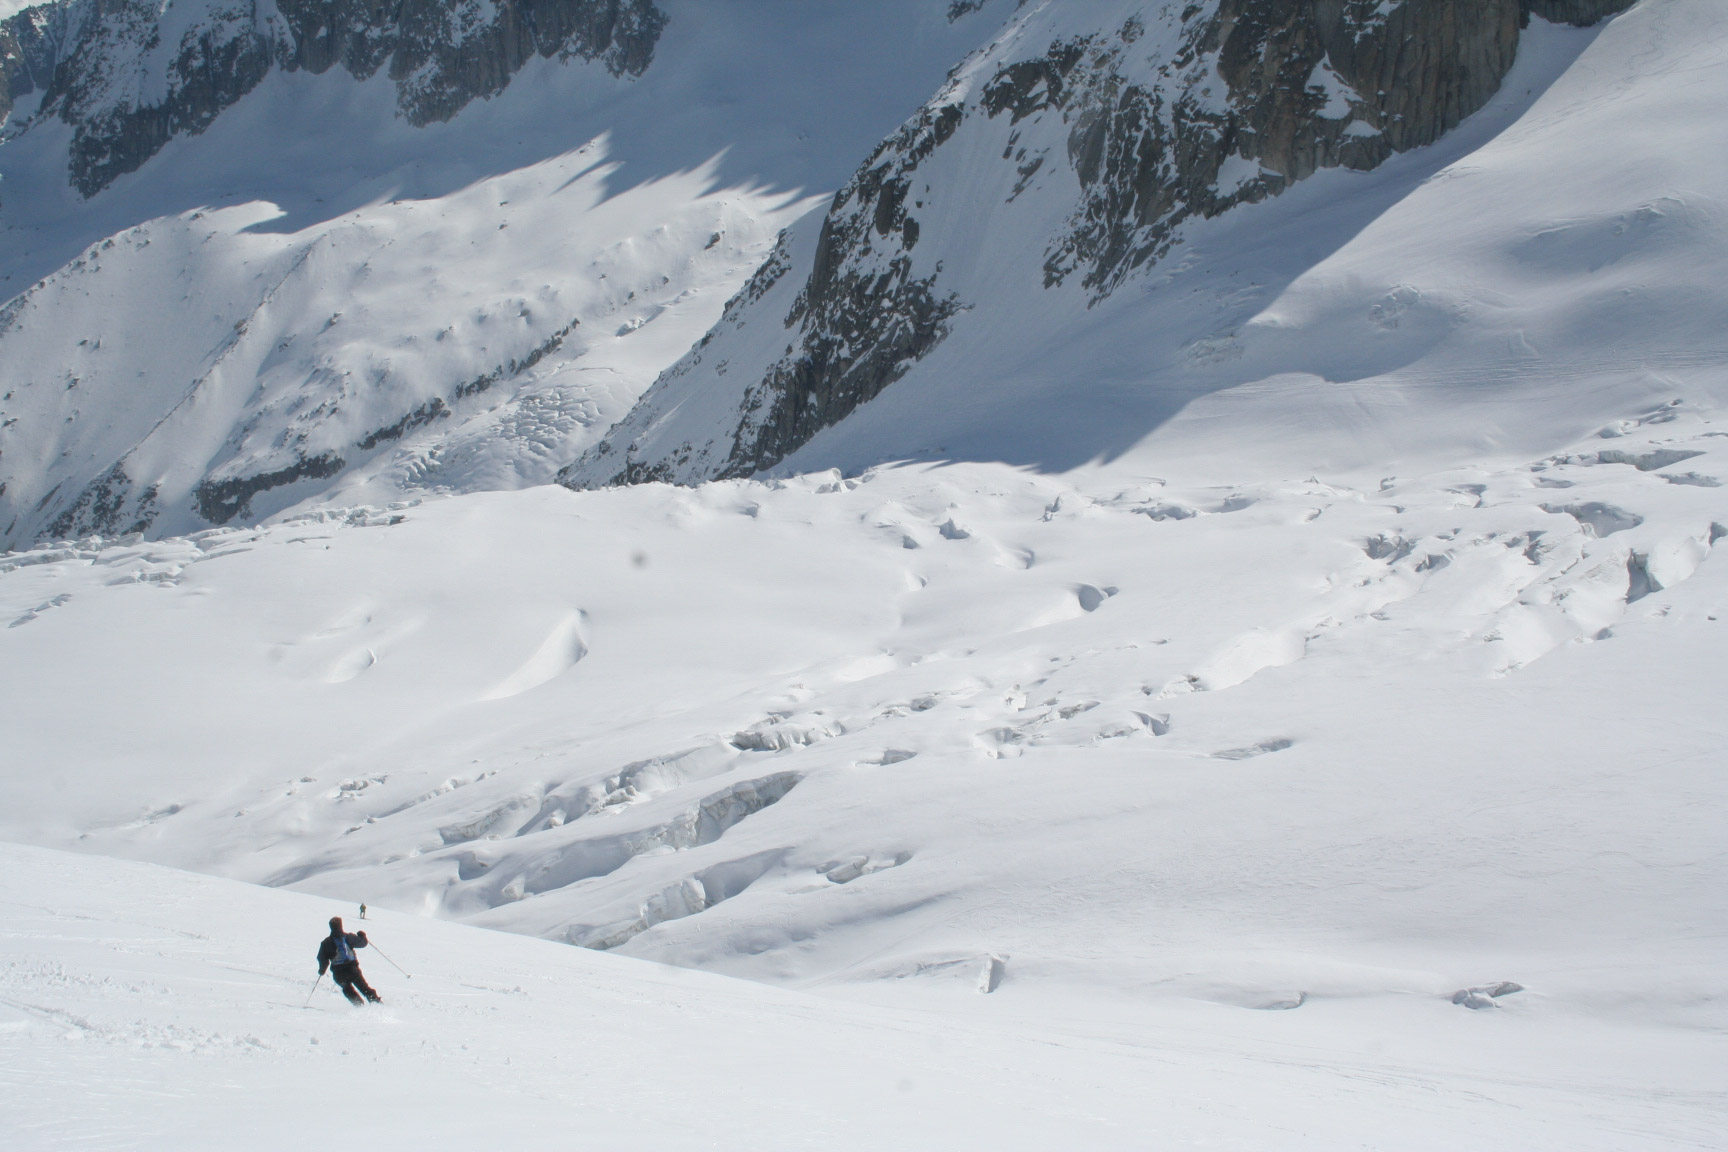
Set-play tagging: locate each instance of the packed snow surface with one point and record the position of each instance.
(1328, 753)
(143, 1008)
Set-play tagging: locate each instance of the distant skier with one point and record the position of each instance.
(336, 953)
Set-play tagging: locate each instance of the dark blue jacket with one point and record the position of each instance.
(328, 951)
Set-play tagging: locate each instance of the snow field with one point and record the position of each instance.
(1110, 748)
(140, 1006)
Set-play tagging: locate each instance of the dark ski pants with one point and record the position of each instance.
(352, 983)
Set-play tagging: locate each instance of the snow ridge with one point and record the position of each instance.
(280, 365)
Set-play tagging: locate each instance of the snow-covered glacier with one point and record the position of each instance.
(1126, 574)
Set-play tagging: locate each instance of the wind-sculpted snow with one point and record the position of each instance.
(768, 758)
(128, 77)
(1074, 148)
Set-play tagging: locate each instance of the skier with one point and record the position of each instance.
(336, 953)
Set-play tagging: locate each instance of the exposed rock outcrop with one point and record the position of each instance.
(32, 42)
(128, 76)
(110, 505)
(1137, 116)
(219, 501)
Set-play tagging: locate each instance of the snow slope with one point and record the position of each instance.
(1551, 262)
(1145, 756)
(140, 1007)
(313, 294)
(294, 358)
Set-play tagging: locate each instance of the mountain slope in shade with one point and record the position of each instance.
(509, 272)
(1069, 205)
(313, 360)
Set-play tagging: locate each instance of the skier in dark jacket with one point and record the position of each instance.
(336, 953)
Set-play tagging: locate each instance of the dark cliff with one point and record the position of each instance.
(91, 63)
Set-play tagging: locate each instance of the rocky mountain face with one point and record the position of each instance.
(1102, 126)
(255, 255)
(128, 76)
(182, 365)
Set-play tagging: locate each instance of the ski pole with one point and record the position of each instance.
(314, 991)
(389, 961)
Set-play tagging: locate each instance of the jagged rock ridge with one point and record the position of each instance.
(1134, 116)
(129, 76)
